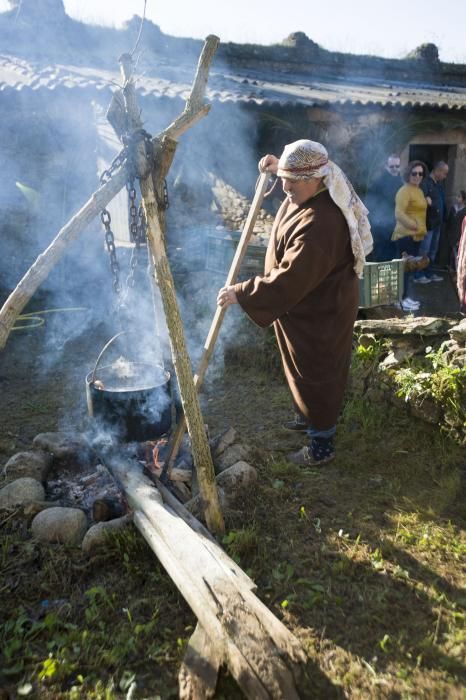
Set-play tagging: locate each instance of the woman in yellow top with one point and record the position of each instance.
(410, 214)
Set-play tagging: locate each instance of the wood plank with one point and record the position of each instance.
(197, 677)
(262, 655)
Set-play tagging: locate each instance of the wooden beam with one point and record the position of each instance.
(195, 108)
(197, 678)
(262, 655)
(151, 186)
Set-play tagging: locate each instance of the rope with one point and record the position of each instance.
(35, 320)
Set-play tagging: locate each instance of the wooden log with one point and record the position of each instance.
(41, 268)
(197, 678)
(209, 542)
(195, 108)
(151, 188)
(262, 655)
(219, 315)
(182, 364)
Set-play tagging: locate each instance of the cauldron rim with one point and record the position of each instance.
(92, 376)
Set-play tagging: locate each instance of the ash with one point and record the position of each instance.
(92, 484)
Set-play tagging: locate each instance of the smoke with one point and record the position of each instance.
(56, 143)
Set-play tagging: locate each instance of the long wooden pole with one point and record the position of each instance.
(220, 311)
(151, 184)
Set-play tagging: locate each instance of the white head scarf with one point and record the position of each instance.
(304, 160)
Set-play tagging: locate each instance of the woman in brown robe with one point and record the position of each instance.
(310, 290)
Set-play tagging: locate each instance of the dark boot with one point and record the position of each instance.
(320, 451)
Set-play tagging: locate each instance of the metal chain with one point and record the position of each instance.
(137, 222)
(138, 236)
(106, 219)
(133, 211)
(115, 164)
(110, 241)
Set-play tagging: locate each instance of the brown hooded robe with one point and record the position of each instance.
(310, 293)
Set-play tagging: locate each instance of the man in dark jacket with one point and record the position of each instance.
(381, 204)
(434, 191)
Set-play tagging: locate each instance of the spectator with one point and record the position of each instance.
(434, 191)
(381, 205)
(410, 215)
(453, 228)
(461, 268)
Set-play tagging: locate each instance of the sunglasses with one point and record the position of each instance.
(419, 173)
(393, 167)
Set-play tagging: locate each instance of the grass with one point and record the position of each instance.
(360, 559)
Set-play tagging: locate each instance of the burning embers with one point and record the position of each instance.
(154, 456)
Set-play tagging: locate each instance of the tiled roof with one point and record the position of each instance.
(263, 87)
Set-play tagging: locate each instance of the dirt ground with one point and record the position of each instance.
(363, 559)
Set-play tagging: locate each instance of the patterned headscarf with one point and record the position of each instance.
(304, 160)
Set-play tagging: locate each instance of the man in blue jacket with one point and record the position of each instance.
(434, 191)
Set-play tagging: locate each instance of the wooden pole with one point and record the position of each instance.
(152, 185)
(40, 269)
(220, 311)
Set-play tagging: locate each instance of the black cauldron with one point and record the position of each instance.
(132, 399)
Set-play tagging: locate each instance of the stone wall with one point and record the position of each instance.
(418, 364)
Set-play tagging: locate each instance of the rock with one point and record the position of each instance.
(367, 340)
(230, 456)
(458, 332)
(421, 325)
(397, 356)
(426, 409)
(398, 401)
(33, 464)
(453, 420)
(239, 476)
(97, 535)
(457, 358)
(63, 525)
(31, 508)
(375, 395)
(220, 442)
(230, 483)
(20, 491)
(412, 344)
(66, 447)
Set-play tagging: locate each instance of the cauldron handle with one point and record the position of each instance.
(106, 346)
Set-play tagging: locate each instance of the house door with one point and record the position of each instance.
(429, 153)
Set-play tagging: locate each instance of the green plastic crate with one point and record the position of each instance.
(382, 283)
(221, 251)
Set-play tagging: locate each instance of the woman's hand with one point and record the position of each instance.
(226, 297)
(429, 201)
(268, 163)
